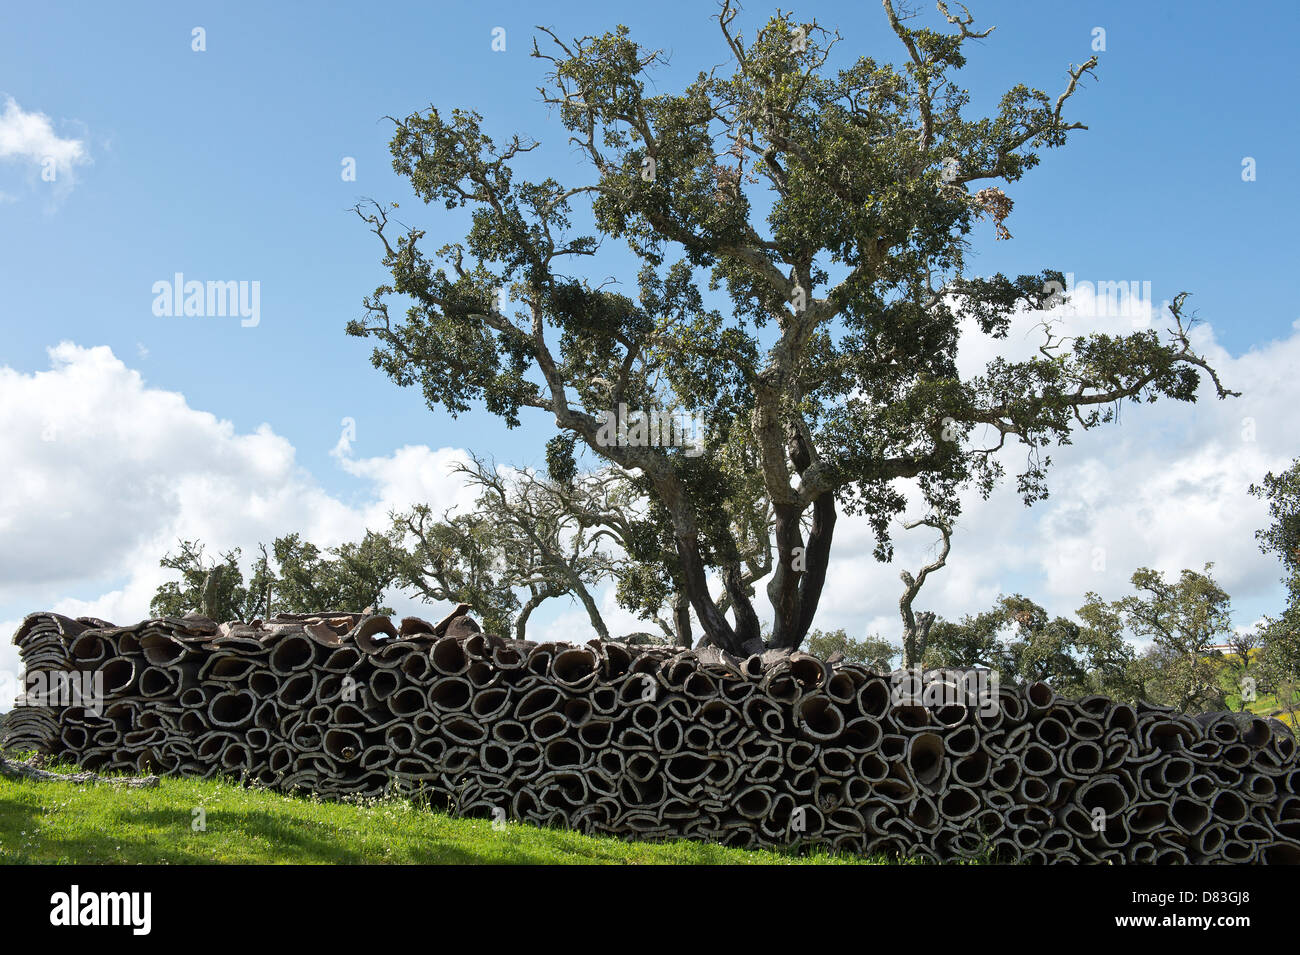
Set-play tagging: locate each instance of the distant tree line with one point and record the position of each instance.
(530, 538)
(1195, 659)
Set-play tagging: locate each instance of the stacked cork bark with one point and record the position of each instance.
(658, 743)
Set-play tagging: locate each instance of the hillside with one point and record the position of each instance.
(66, 823)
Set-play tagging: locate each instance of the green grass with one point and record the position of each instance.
(44, 822)
(1264, 704)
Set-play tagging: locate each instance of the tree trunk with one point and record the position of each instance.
(208, 595)
(783, 588)
(593, 612)
(717, 631)
(682, 619)
(916, 636)
(800, 574)
(20, 771)
(535, 601)
(748, 629)
(819, 558)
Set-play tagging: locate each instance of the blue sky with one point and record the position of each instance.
(225, 165)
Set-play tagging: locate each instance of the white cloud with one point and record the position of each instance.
(10, 665)
(102, 475)
(29, 138)
(411, 474)
(572, 625)
(1165, 487)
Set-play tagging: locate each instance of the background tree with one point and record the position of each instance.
(460, 558)
(974, 641)
(1279, 659)
(295, 576)
(573, 531)
(1242, 665)
(916, 627)
(1023, 643)
(1075, 659)
(613, 506)
(547, 545)
(1183, 620)
(213, 587)
(873, 651)
(531, 533)
(350, 577)
(1287, 693)
(834, 208)
(1114, 665)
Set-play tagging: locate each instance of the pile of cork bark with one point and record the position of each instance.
(655, 742)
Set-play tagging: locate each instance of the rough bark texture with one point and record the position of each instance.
(916, 626)
(17, 770)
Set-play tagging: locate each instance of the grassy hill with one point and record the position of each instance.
(44, 822)
(1264, 704)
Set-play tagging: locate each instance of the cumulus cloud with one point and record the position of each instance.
(571, 624)
(1165, 487)
(411, 474)
(29, 138)
(103, 474)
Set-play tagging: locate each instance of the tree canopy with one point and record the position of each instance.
(213, 587)
(831, 208)
(873, 651)
(1280, 635)
(1021, 641)
(1182, 620)
(294, 576)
